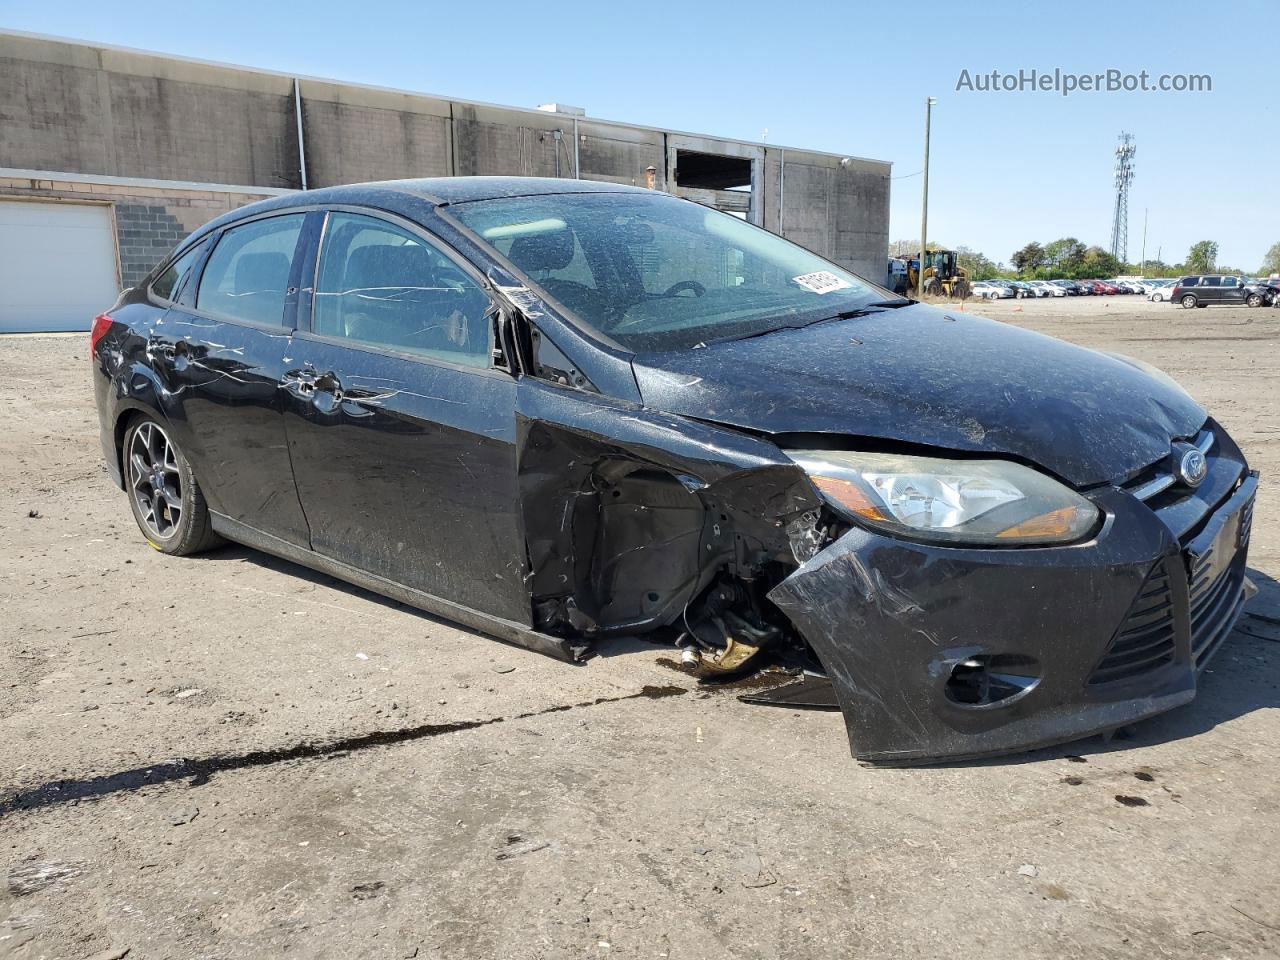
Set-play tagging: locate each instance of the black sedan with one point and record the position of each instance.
(561, 412)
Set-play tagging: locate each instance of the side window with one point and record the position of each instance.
(1229, 281)
(1190, 282)
(248, 272)
(384, 286)
(1210, 281)
(168, 285)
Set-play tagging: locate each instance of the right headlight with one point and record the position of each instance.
(983, 502)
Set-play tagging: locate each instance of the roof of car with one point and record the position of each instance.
(464, 189)
(403, 195)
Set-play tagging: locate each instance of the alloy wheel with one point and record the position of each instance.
(154, 480)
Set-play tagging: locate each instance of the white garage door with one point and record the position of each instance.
(57, 265)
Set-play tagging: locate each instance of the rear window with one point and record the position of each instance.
(169, 284)
(248, 272)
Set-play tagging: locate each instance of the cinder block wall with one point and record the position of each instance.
(149, 221)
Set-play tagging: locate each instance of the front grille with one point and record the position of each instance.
(1182, 614)
(1216, 603)
(1214, 612)
(1146, 638)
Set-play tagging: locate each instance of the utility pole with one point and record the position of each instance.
(1145, 211)
(924, 200)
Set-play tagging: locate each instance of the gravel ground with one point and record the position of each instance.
(361, 780)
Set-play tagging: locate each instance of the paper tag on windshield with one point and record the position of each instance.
(823, 281)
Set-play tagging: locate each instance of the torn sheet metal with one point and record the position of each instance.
(901, 627)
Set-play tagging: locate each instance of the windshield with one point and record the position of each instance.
(656, 273)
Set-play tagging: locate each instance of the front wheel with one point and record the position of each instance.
(1158, 298)
(1188, 302)
(1254, 300)
(163, 493)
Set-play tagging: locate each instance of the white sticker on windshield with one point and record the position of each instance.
(823, 281)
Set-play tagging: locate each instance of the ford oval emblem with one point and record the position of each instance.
(1192, 467)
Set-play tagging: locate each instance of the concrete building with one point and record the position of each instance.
(109, 156)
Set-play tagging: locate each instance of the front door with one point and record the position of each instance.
(1231, 291)
(402, 433)
(222, 346)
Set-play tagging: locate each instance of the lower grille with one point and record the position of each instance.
(1214, 613)
(1145, 640)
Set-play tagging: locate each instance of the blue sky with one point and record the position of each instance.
(845, 77)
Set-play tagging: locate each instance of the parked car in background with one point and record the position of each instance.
(1068, 287)
(1160, 290)
(1209, 290)
(1050, 288)
(990, 291)
(1022, 290)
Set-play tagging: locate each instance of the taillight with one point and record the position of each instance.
(101, 324)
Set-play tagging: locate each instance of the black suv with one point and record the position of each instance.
(1209, 289)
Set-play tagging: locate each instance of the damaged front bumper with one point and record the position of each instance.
(944, 653)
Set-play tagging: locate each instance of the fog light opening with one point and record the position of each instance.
(988, 679)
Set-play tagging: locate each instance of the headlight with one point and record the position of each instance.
(992, 502)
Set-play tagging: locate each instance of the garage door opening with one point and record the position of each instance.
(709, 171)
(717, 180)
(57, 265)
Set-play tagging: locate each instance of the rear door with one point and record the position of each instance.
(222, 348)
(402, 432)
(1210, 290)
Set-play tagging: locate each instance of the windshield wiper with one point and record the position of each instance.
(842, 315)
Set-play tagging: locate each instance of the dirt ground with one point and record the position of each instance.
(232, 757)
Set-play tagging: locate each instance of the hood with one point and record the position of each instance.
(945, 379)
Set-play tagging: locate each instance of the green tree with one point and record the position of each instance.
(977, 266)
(1064, 255)
(1029, 258)
(1202, 257)
(1271, 262)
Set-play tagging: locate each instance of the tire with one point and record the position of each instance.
(1158, 297)
(1254, 300)
(1188, 302)
(165, 498)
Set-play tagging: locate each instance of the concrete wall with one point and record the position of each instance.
(149, 221)
(81, 109)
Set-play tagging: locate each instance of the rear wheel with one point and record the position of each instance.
(1188, 301)
(163, 493)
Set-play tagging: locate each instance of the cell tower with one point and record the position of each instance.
(1124, 177)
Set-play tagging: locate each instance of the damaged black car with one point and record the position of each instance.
(560, 411)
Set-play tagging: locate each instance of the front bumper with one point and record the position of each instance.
(1104, 633)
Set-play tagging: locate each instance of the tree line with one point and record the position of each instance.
(1070, 259)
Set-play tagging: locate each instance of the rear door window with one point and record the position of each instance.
(1210, 281)
(168, 286)
(247, 275)
(382, 285)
